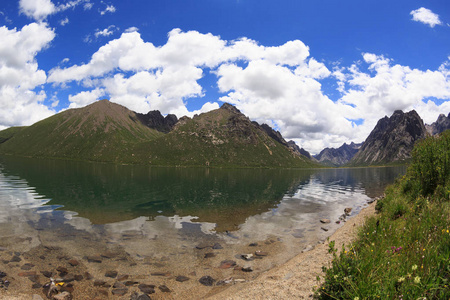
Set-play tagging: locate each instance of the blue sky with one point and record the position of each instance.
(321, 72)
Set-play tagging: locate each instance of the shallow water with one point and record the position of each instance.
(156, 217)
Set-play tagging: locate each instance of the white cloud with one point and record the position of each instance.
(275, 85)
(131, 29)
(85, 98)
(108, 9)
(426, 17)
(105, 32)
(64, 22)
(21, 99)
(41, 9)
(37, 9)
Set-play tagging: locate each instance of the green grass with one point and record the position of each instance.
(404, 251)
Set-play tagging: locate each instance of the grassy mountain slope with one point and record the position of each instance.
(222, 137)
(102, 131)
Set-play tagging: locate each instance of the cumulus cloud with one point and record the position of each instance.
(64, 22)
(426, 17)
(85, 98)
(37, 9)
(278, 85)
(21, 99)
(41, 9)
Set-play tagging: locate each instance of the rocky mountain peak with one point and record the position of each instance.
(391, 140)
(230, 107)
(442, 123)
(155, 120)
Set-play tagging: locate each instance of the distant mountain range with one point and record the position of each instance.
(108, 132)
(337, 157)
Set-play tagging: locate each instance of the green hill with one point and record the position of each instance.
(108, 132)
(102, 131)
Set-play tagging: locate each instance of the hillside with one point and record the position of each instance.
(108, 132)
(102, 131)
(391, 141)
(335, 157)
(222, 137)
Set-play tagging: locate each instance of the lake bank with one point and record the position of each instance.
(297, 278)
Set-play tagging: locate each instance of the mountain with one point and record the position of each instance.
(441, 124)
(155, 120)
(300, 151)
(392, 140)
(221, 137)
(105, 131)
(335, 157)
(102, 131)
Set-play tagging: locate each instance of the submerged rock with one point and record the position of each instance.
(207, 280)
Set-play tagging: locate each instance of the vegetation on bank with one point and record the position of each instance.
(404, 251)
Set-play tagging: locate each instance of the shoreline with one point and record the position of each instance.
(298, 276)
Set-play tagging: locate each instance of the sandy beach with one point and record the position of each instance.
(297, 278)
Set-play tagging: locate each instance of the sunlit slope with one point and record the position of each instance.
(222, 137)
(102, 131)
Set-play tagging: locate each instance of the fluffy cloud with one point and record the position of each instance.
(279, 85)
(41, 9)
(390, 88)
(85, 98)
(37, 9)
(108, 9)
(425, 16)
(105, 32)
(20, 77)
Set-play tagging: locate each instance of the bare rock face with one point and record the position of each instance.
(441, 124)
(391, 140)
(338, 156)
(155, 120)
(296, 149)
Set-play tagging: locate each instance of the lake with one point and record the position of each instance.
(155, 224)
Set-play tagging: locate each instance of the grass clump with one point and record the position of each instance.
(404, 251)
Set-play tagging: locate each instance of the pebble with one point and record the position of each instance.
(225, 281)
(2, 274)
(206, 280)
(96, 259)
(99, 282)
(146, 288)
(122, 277)
(247, 269)
(111, 274)
(165, 274)
(217, 246)
(182, 278)
(164, 289)
(325, 221)
(119, 292)
(119, 285)
(15, 258)
(26, 274)
(226, 264)
(130, 282)
(63, 296)
(209, 255)
(261, 253)
(88, 276)
(73, 262)
(78, 277)
(62, 270)
(247, 256)
(203, 246)
(253, 245)
(324, 229)
(27, 267)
